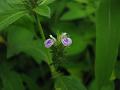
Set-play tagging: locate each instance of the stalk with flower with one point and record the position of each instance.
(57, 46)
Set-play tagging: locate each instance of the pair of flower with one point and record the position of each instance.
(63, 38)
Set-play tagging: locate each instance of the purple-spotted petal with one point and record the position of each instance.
(48, 43)
(66, 41)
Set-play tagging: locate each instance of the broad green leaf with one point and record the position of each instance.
(15, 2)
(45, 2)
(57, 12)
(37, 50)
(76, 11)
(18, 39)
(5, 5)
(77, 69)
(68, 83)
(82, 1)
(109, 86)
(93, 86)
(30, 83)
(43, 10)
(107, 41)
(11, 18)
(73, 14)
(21, 40)
(10, 79)
(117, 70)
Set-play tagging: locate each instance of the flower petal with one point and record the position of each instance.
(48, 43)
(66, 41)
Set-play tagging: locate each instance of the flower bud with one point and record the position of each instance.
(64, 35)
(53, 38)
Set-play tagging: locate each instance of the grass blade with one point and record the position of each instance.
(107, 35)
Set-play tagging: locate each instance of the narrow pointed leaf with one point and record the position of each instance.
(108, 32)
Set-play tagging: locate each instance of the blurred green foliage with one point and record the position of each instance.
(23, 57)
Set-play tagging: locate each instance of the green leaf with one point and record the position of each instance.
(15, 2)
(117, 70)
(21, 40)
(93, 85)
(31, 84)
(11, 18)
(43, 10)
(76, 11)
(68, 83)
(37, 50)
(13, 5)
(107, 42)
(109, 86)
(82, 1)
(18, 39)
(46, 2)
(10, 79)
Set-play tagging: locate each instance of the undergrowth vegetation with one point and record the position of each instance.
(59, 45)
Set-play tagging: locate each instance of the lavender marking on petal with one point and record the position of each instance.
(66, 41)
(48, 43)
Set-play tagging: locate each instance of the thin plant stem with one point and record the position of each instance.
(40, 27)
(53, 70)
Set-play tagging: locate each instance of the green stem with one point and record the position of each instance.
(53, 70)
(40, 27)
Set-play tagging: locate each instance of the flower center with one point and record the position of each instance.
(66, 40)
(49, 42)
